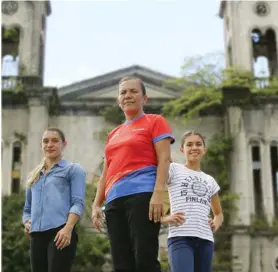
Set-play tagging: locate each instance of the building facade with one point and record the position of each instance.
(28, 107)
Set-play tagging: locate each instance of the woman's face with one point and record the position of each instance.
(131, 98)
(52, 144)
(193, 148)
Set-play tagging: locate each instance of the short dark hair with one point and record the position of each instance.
(59, 131)
(134, 78)
(189, 133)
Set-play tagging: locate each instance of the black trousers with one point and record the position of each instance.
(45, 257)
(133, 237)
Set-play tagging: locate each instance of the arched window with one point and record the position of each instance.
(16, 166)
(257, 179)
(10, 65)
(274, 172)
(265, 64)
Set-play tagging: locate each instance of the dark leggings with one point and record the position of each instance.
(133, 237)
(45, 257)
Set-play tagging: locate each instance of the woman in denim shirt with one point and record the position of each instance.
(54, 203)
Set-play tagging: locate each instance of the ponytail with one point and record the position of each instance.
(35, 174)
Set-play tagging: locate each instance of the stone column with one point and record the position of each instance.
(239, 166)
(267, 188)
(37, 27)
(241, 250)
(38, 122)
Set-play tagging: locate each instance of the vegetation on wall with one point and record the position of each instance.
(12, 36)
(201, 83)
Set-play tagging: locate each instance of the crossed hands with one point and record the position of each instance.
(62, 238)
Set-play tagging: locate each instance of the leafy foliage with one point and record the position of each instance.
(201, 84)
(113, 115)
(15, 246)
(11, 35)
(91, 249)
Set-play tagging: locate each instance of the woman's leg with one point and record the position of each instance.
(118, 232)
(181, 254)
(143, 232)
(38, 252)
(61, 260)
(204, 255)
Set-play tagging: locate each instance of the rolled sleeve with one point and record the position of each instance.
(161, 130)
(78, 189)
(27, 206)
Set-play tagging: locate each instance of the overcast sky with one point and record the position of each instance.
(89, 38)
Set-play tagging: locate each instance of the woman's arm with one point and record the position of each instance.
(163, 152)
(217, 212)
(97, 214)
(100, 194)
(78, 190)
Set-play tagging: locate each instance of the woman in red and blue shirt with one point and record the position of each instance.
(136, 164)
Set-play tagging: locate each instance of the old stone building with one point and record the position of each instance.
(28, 107)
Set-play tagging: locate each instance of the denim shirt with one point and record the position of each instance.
(50, 199)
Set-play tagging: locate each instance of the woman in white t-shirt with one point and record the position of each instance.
(192, 193)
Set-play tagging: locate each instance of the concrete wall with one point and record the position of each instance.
(84, 144)
(13, 120)
(256, 254)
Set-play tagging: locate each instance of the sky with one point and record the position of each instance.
(89, 38)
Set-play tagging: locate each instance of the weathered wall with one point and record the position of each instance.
(13, 120)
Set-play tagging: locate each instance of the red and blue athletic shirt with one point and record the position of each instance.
(131, 157)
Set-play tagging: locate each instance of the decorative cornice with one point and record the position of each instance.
(112, 79)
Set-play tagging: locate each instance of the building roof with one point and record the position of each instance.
(104, 86)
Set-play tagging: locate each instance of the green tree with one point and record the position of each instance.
(15, 246)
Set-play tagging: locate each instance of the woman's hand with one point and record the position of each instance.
(27, 227)
(215, 223)
(63, 237)
(97, 218)
(156, 206)
(176, 219)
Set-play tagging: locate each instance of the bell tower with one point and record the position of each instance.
(251, 35)
(24, 37)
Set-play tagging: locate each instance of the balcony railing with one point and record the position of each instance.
(18, 83)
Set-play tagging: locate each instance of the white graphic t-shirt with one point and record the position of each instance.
(190, 192)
